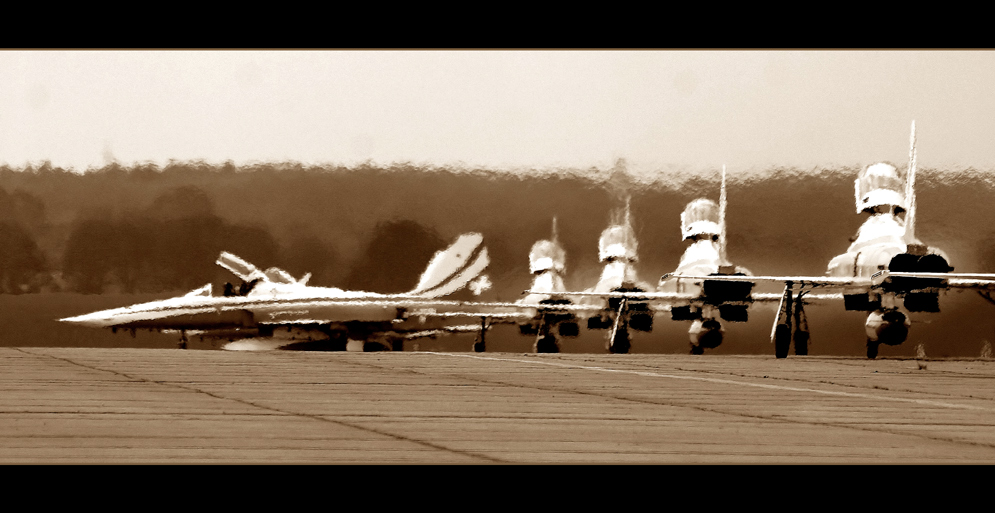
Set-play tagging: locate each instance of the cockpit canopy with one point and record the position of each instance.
(617, 242)
(879, 185)
(700, 217)
(546, 255)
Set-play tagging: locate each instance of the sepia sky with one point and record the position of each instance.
(499, 109)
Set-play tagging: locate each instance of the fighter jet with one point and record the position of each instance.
(556, 315)
(632, 303)
(703, 227)
(887, 271)
(271, 309)
(549, 318)
(605, 304)
(619, 312)
(555, 312)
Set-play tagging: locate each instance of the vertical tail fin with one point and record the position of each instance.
(910, 190)
(722, 219)
(628, 221)
(451, 269)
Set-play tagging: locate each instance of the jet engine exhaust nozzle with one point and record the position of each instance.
(889, 327)
(706, 334)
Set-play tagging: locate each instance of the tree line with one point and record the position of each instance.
(149, 229)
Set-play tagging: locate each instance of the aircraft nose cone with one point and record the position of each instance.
(93, 320)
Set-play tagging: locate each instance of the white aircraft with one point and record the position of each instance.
(887, 271)
(554, 315)
(547, 263)
(618, 310)
(273, 310)
(632, 304)
(706, 304)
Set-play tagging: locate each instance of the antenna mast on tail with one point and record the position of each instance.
(722, 219)
(910, 190)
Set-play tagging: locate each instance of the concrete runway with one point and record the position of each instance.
(86, 405)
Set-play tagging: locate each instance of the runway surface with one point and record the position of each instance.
(87, 405)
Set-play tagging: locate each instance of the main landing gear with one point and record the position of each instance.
(618, 338)
(550, 326)
(872, 349)
(480, 344)
(791, 325)
(547, 344)
(546, 340)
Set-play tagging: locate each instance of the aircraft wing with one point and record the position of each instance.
(801, 282)
(497, 309)
(978, 281)
(649, 296)
(807, 299)
(659, 301)
(674, 298)
(971, 284)
(409, 312)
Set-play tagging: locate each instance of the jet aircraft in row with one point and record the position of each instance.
(271, 309)
(886, 272)
(629, 303)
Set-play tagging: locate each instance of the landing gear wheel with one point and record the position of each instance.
(621, 343)
(479, 347)
(801, 343)
(872, 349)
(547, 344)
(782, 340)
(373, 347)
(336, 343)
(696, 349)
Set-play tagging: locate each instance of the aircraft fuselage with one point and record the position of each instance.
(881, 245)
(714, 300)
